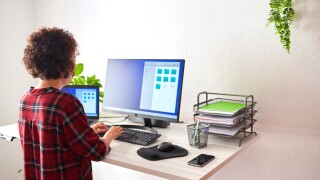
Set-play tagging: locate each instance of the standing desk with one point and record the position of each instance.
(125, 154)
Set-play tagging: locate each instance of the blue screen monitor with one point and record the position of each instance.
(88, 95)
(144, 89)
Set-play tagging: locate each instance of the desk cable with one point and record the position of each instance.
(125, 118)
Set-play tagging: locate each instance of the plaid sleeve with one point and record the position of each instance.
(80, 136)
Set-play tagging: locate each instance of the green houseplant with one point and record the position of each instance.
(79, 79)
(282, 15)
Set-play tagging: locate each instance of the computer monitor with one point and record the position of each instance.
(148, 90)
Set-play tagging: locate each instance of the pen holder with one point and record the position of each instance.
(198, 136)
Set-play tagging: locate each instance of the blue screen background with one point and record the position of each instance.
(124, 82)
(73, 90)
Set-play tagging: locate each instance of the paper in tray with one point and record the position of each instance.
(222, 107)
(224, 120)
(229, 131)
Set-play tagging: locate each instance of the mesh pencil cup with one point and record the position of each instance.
(198, 136)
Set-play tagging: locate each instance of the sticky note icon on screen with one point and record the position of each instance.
(158, 86)
(159, 71)
(166, 71)
(158, 78)
(173, 71)
(173, 79)
(165, 79)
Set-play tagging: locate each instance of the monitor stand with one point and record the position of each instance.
(155, 123)
(149, 122)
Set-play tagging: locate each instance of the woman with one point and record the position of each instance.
(56, 139)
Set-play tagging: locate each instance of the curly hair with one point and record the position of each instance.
(48, 54)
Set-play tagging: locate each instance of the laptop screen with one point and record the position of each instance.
(88, 96)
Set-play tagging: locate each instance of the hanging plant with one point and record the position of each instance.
(282, 15)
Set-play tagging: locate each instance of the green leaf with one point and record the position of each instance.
(79, 69)
(101, 93)
(281, 15)
(98, 84)
(91, 80)
(79, 81)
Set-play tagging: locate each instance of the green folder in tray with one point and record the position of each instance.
(222, 107)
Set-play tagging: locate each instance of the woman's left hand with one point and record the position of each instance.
(99, 127)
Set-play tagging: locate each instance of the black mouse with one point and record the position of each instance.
(165, 146)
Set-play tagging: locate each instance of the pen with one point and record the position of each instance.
(198, 131)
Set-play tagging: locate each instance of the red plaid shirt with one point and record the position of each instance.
(56, 139)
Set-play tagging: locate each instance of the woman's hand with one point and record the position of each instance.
(99, 127)
(113, 133)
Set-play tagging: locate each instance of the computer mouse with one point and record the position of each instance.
(165, 147)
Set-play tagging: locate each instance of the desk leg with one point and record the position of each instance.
(6, 137)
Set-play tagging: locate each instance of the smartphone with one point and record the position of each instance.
(201, 160)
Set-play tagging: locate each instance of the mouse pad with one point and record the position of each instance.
(153, 154)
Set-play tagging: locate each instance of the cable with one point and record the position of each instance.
(125, 118)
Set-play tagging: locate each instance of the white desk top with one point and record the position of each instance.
(125, 154)
(10, 130)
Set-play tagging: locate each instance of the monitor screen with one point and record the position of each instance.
(144, 88)
(88, 96)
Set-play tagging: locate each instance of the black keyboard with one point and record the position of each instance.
(137, 136)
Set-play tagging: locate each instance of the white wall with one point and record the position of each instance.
(16, 22)
(227, 49)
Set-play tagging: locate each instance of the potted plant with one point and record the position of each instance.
(79, 79)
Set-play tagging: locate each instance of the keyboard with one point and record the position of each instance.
(137, 136)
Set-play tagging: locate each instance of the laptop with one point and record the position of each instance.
(88, 95)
